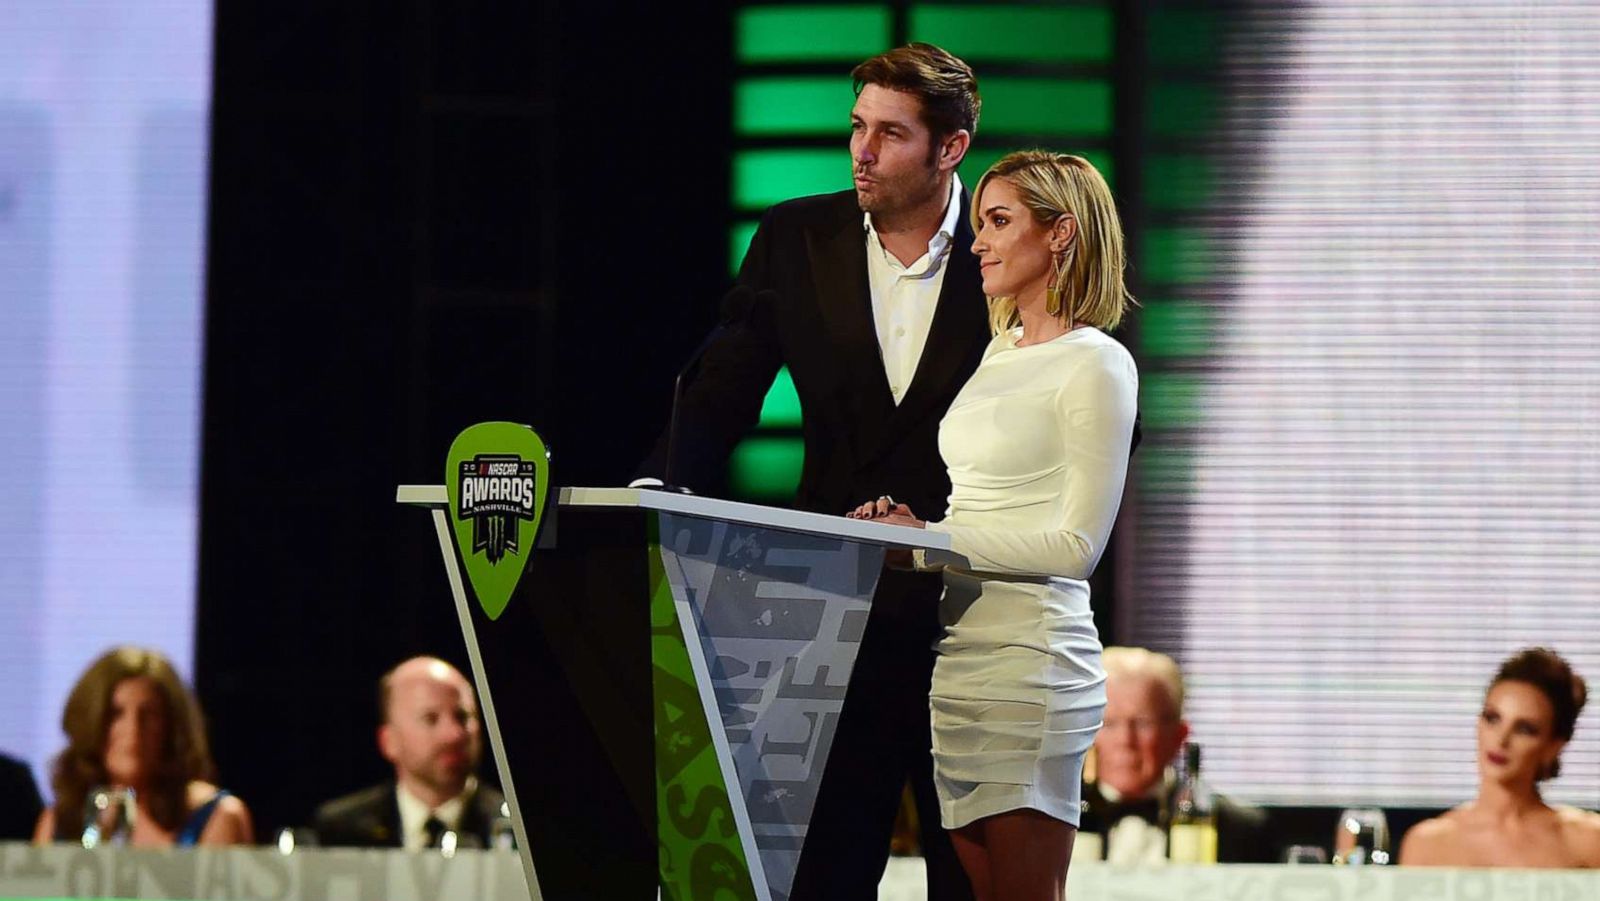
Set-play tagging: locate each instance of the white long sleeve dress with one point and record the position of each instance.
(1037, 445)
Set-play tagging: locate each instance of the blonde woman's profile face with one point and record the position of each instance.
(1013, 248)
(1516, 733)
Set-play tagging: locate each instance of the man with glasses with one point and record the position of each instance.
(1143, 732)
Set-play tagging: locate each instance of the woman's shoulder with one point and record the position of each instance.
(1433, 838)
(229, 819)
(1581, 828)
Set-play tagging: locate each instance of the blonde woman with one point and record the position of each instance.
(1037, 445)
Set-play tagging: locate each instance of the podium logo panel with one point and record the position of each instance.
(779, 617)
(498, 479)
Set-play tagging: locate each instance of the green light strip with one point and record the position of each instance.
(762, 178)
(1068, 34)
(808, 105)
(1174, 255)
(1046, 106)
(1174, 329)
(781, 410)
(1177, 182)
(766, 466)
(767, 34)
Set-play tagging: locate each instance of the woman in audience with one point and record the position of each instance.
(1527, 719)
(130, 724)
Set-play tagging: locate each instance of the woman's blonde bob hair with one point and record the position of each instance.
(1090, 281)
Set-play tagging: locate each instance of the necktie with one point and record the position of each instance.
(434, 829)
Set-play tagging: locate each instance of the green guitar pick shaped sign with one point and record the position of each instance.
(498, 479)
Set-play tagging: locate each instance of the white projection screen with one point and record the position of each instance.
(103, 140)
(1394, 463)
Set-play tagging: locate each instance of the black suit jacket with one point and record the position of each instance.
(858, 444)
(21, 805)
(370, 818)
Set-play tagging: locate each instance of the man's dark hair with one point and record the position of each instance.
(945, 85)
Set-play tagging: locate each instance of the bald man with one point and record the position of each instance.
(1143, 732)
(429, 731)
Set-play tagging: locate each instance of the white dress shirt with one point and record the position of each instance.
(904, 297)
(414, 813)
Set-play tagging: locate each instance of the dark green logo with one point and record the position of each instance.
(498, 479)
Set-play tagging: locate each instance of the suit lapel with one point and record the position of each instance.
(388, 819)
(958, 331)
(838, 258)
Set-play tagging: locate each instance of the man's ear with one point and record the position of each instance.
(388, 743)
(954, 149)
(1061, 235)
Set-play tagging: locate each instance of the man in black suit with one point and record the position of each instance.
(1143, 732)
(20, 803)
(877, 309)
(430, 732)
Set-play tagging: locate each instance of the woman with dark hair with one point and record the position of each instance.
(1528, 716)
(131, 724)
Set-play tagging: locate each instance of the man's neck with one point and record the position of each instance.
(427, 794)
(1505, 803)
(906, 233)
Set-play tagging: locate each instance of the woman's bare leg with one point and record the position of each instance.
(1022, 854)
(974, 857)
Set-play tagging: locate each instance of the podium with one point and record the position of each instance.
(662, 688)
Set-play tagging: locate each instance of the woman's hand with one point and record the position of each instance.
(885, 510)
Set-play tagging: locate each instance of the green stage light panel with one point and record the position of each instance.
(1055, 34)
(762, 178)
(1173, 328)
(1169, 400)
(1039, 106)
(739, 243)
(1176, 182)
(799, 105)
(766, 466)
(781, 410)
(1184, 37)
(767, 34)
(1164, 470)
(1174, 255)
(979, 159)
(1180, 110)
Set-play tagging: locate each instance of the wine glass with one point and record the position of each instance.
(1303, 854)
(1362, 837)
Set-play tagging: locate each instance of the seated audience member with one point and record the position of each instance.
(130, 723)
(1528, 716)
(20, 804)
(1143, 732)
(430, 732)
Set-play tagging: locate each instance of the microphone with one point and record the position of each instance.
(737, 305)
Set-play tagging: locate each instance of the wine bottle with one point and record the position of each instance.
(1193, 838)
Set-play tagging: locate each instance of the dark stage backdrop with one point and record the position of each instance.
(424, 215)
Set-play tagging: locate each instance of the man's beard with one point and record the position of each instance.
(903, 193)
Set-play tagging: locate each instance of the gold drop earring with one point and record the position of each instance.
(1052, 293)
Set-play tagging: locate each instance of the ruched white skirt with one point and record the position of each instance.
(1018, 694)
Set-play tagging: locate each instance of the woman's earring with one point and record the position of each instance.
(1052, 293)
